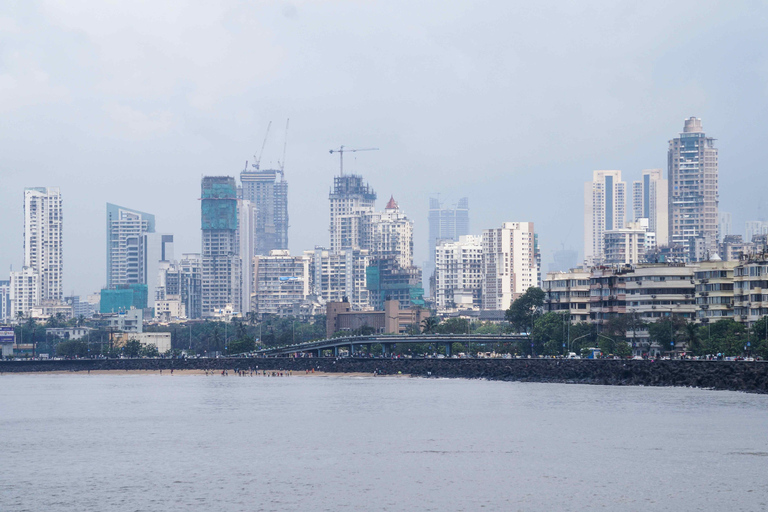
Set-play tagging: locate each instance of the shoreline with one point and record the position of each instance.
(203, 373)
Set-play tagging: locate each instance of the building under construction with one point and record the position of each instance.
(221, 263)
(270, 195)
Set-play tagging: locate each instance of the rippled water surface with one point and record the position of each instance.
(151, 442)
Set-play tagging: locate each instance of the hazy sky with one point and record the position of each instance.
(512, 104)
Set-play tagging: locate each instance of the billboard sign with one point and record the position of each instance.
(6, 334)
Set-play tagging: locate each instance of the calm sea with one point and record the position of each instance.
(162, 443)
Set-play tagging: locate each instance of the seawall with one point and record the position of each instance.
(745, 376)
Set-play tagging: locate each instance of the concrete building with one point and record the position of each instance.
(388, 233)
(5, 301)
(351, 200)
(726, 225)
(568, 292)
(754, 228)
(161, 340)
(221, 263)
(693, 189)
(732, 248)
(43, 239)
(650, 201)
(339, 275)
(182, 282)
(158, 252)
(248, 234)
(280, 283)
(714, 290)
(126, 253)
(68, 333)
(509, 264)
(445, 223)
(604, 210)
(626, 246)
(269, 196)
(459, 274)
(392, 320)
(24, 291)
(131, 321)
(387, 280)
(750, 291)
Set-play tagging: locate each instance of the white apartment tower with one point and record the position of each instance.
(604, 209)
(459, 274)
(24, 291)
(336, 275)
(389, 233)
(280, 283)
(351, 199)
(126, 229)
(649, 201)
(43, 222)
(509, 264)
(693, 188)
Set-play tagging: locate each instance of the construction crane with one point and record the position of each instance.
(281, 163)
(257, 159)
(343, 150)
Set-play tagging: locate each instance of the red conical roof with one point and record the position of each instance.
(391, 205)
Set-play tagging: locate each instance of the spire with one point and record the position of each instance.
(391, 205)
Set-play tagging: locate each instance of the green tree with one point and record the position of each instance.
(453, 326)
(132, 348)
(549, 333)
(149, 350)
(430, 324)
(522, 313)
(72, 348)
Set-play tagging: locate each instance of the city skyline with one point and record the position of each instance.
(449, 115)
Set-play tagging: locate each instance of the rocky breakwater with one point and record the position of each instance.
(746, 376)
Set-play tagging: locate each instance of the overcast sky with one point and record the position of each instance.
(512, 104)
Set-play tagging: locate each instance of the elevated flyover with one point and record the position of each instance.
(387, 342)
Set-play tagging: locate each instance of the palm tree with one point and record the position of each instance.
(692, 337)
(429, 324)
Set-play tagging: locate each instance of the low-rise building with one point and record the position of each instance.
(714, 290)
(568, 292)
(68, 333)
(393, 320)
(750, 291)
(161, 340)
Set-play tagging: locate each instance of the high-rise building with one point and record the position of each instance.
(459, 274)
(509, 264)
(693, 189)
(270, 197)
(604, 209)
(388, 233)
(5, 301)
(221, 263)
(43, 223)
(158, 250)
(126, 253)
(387, 280)
(351, 200)
(281, 282)
(25, 291)
(445, 223)
(649, 201)
(755, 227)
(627, 246)
(247, 229)
(180, 282)
(726, 225)
(339, 275)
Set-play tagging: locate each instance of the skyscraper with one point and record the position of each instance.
(604, 209)
(649, 198)
(126, 251)
(351, 199)
(221, 263)
(445, 223)
(270, 196)
(509, 264)
(43, 223)
(693, 190)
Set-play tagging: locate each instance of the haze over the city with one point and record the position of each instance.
(512, 105)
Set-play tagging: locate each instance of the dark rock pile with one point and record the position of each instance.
(746, 376)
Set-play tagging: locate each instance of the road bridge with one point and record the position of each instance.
(356, 343)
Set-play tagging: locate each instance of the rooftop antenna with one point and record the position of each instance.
(281, 163)
(341, 152)
(257, 159)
